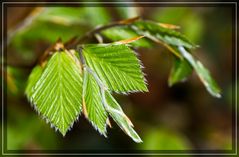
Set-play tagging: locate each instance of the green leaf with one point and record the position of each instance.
(116, 65)
(100, 100)
(32, 80)
(165, 139)
(74, 16)
(62, 15)
(96, 16)
(180, 71)
(120, 118)
(14, 79)
(154, 30)
(39, 29)
(58, 92)
(208, 81)
(95, 110)
(202, 73)
(125, 32)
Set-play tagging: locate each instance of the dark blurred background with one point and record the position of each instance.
(182, 117)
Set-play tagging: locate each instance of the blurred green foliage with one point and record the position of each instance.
(190, 21)
(164, 139)
(16, 81)
(56, 22)
(27, 131)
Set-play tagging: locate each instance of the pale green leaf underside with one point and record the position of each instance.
(32, 79)
(168, 36)
(117, 66)
(58, 92)
(202, 73)
(120, 118)
(94, 107)
(180, 71)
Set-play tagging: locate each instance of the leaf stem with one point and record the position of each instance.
(82, 59)
(58, 46)
(101, 85)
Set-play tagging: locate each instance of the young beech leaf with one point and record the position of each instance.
(180, 71)
(120, 118)
(33, 78)
(94, 109)
(169, 36)
(57, 94)
(98, 100)
(116, 65)
(202, 73)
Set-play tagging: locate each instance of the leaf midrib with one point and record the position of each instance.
(94, 57)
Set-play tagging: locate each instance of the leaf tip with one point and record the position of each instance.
(63, 134)
(146, 89)
(108, 122)
(170, 82)
(216, 94)
(102, 131)
(139, 141)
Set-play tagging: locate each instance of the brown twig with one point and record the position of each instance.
(55, 47)
(75, 41)
(72, 43)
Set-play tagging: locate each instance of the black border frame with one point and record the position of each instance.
(123, 152)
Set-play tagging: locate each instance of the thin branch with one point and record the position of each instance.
(82, 59)
(58, 46)
(69, 44)
(75, 41)
(101, 85)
